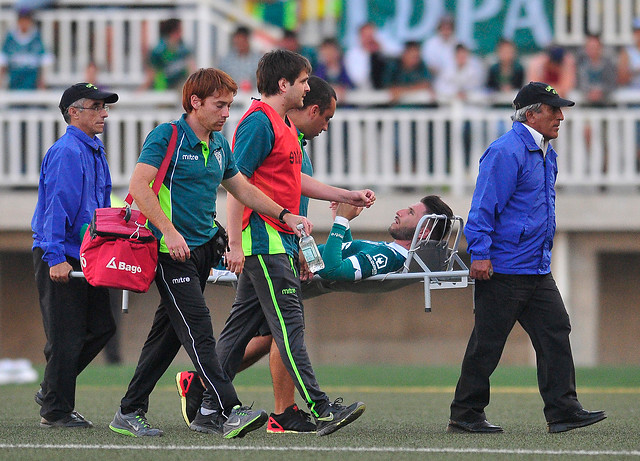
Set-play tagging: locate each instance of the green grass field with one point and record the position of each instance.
(407, 411)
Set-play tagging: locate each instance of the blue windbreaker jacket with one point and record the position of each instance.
(512, 218)
(74, 181)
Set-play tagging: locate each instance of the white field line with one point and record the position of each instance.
(516, 451)
(406, 389)
(447, 389)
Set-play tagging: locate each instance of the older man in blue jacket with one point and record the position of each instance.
(510, 234)
(77, 319)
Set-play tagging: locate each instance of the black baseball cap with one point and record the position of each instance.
(84, 90)
(535, 92)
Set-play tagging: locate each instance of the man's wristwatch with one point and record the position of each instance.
(282, 213)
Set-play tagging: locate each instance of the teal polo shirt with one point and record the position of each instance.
(189, 191)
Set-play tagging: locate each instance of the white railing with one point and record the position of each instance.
(118, 35)
(390, 148)
(609, 18)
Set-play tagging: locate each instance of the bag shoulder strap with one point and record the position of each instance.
(162, 171)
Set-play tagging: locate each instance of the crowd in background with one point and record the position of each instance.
(441, 67)
(447, 68)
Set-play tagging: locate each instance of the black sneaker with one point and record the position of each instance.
(190, 390)
(208, 424)
(39, 397)
(243, 420)
(72, 420)
(134, 424)
(291, 421)
(336, 416)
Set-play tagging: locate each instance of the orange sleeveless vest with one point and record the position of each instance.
(279, 175)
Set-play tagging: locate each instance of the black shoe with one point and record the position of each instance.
(72, 420)
(190, 390)
(479, 427)
(291, 421)
(580, 418)
(208, 424)
(336, 416)
(39, 397)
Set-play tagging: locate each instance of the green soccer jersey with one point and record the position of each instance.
(347, 259)
(171, 65)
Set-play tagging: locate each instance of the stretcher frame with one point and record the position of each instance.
(418, 267)
(424, 254)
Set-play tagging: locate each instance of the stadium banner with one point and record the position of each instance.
(478, 23)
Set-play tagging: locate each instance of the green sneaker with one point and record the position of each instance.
(134, 424)
(243, 420)
(336, 416)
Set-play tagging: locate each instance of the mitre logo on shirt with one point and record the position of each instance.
(190, 157)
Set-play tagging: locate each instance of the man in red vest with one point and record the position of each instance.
(265, 250)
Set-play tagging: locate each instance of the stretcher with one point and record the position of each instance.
(433, 262)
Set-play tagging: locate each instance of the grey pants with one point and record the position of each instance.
(269, 289)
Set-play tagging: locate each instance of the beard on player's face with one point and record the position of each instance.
(401, 233)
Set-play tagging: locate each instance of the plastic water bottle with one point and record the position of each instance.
(310, 250)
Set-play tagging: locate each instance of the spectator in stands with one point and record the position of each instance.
(408, 73)
(596, 79)
(507, 73)
(597, 72)
(291, 42)
(365, 62)
(629, 73)
(629, 60)
(331, 67)
(505, 76)
(280, 13)
(439, 51)
(33, 4)
(555, 66)
(240, 63)
(170, 61)
(23, 56)
(466, 75)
